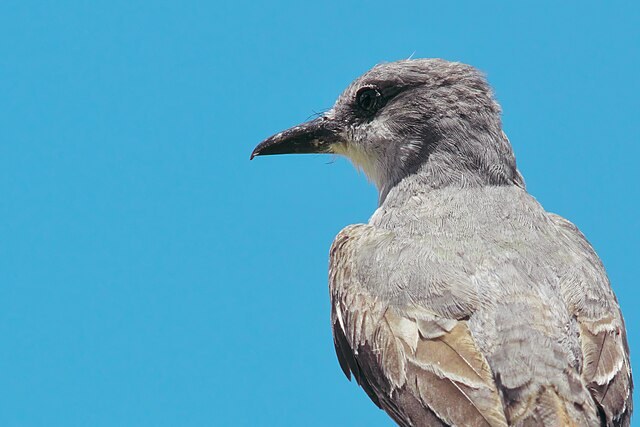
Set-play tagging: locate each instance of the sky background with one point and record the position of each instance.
(150, 275)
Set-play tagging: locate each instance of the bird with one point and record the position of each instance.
(462, 302)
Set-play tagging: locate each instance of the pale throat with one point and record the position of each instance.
(362, 160)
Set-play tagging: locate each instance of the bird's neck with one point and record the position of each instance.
(459, 161)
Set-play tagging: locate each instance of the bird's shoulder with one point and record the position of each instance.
(412, 359)
(401, 269)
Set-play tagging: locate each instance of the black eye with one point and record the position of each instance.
(369, 100)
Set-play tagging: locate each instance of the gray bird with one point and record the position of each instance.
(462, 302)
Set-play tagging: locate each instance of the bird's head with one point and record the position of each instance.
(426, 117)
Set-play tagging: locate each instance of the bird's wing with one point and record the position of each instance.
(422, 367)
(606, 367)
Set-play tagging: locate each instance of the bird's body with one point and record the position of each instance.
(469, 296)
(462, 301)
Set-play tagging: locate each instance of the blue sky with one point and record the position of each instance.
(151, 275)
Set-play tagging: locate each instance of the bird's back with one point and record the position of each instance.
(476, 307)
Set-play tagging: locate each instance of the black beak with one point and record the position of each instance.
(315, 136)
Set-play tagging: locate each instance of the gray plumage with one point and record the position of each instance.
(462, 301)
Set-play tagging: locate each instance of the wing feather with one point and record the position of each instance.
(428, 363)
(606, 369)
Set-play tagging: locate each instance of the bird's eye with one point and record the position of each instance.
(369, 100)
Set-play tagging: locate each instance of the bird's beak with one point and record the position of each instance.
(315, 136)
